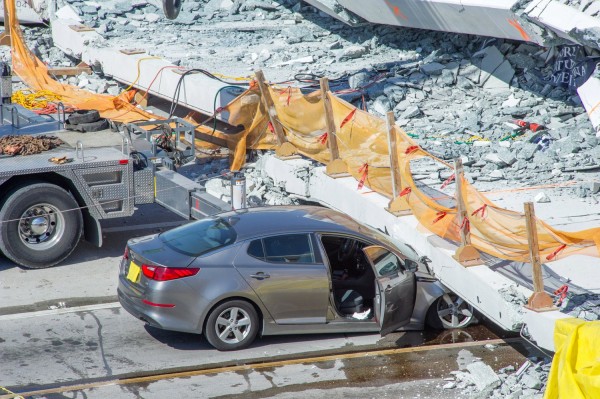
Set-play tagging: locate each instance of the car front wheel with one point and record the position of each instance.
(232, 325)
(450, 311)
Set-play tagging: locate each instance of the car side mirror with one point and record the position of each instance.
(411, 265)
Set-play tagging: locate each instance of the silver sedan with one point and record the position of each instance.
(281, 270)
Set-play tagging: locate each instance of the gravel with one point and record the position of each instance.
(476, 380)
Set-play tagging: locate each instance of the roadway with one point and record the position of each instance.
(64, 327)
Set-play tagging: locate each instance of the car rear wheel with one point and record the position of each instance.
(231, 325)
(450, 311)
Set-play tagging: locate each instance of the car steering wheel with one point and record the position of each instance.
(347, 249)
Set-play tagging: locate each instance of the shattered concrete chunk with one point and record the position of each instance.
(359, 79)
(541, 198)
(411, 112)
(512, 295)
(354, 52)
(433, 68)
(483, 376)
(381, 105)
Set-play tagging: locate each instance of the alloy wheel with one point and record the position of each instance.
(453, 311)
(233, 325)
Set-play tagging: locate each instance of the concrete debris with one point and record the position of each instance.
(512, 295)
(433, 68)
(583, 306)
(482, 376)
(541, 198)
(479, 381)
(433, 81)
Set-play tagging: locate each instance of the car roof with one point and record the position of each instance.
(256, 222)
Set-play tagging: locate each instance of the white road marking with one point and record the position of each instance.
(53, 312)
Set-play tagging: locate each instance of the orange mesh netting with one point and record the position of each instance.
(363, 145)
(35, 73)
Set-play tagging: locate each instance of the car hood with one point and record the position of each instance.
(152, 249)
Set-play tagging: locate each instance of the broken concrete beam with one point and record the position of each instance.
(589, 93)
(490, 18)
(131, 65)
(331, 7)
(72, 37)
(567, 22)
(25, 13)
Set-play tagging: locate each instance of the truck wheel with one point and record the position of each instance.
(171, 8)
(42, 225)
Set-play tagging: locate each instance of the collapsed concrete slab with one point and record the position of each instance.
(589, 93)
(133, 66)
(499, 289)
(26, 14)
(539, 21)
(478, 285)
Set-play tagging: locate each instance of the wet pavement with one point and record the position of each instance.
(385, 370)
(402, 372)
(412, 364)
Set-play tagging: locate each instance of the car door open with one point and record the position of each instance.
(395, 289)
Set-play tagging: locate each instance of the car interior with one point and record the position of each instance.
(352, 277)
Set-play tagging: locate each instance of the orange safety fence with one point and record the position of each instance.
(363, 145)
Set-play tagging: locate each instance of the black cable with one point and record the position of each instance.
(176, 93)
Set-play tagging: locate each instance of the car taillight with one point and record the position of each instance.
(160, 273)
(126, 253)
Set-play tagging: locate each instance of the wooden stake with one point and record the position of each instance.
(539, 301)
(336, 167)
(80, 68)
(466, 254)
(398, 205)
(394, 166)
(283, 150)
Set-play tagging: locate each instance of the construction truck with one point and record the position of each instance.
(49, 200)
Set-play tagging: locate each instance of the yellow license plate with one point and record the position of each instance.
(133, 274)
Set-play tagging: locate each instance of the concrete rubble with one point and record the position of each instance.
(583, 306)
(435, 83)
(477, 380)
(458, 95)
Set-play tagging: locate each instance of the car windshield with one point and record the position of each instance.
(197, 238)
(405, 249)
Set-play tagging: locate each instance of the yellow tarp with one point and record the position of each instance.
(575, 372)
(363, 145)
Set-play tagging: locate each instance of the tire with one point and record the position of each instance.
(171, 8)
(220, 321)
(101, 124)
(49, 235)
(88, 127)
(450, 311)
(83, 116)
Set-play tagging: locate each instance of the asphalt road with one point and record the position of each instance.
(64, 326)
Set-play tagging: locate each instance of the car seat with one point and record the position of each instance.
(349, 301)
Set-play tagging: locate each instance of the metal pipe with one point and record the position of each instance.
(238, 191)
